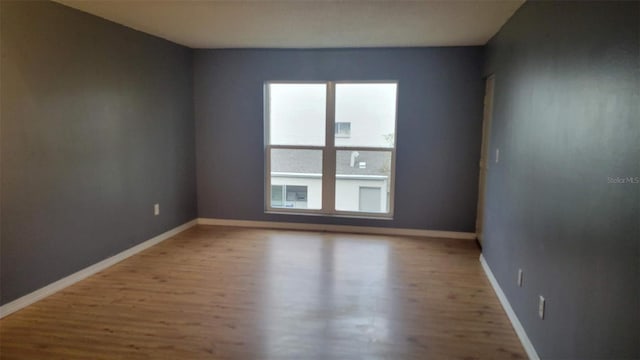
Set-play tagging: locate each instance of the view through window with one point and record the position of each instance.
(330, 147)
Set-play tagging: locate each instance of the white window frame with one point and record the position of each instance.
(329, 151)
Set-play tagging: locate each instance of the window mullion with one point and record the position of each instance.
(329, 154)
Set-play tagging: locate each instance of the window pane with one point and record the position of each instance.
(297, 114)
(370, 110)
(363, 180)
(296, 178)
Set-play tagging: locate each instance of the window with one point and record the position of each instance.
(343, 129)
(330, 147)
(289, 196)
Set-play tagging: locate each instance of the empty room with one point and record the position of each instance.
(451, 179)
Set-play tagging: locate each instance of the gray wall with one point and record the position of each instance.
(566, 117)
(97, 126)
(439, 128)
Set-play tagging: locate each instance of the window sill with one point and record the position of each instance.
(343, 216)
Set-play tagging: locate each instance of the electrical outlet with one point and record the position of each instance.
(497, 155)
(541, 303)
(156, 209)
(520, 274)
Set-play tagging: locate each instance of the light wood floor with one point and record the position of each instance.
(233, 293)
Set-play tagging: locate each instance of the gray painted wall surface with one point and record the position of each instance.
(439, 128)
(97, 126)
(566, 117)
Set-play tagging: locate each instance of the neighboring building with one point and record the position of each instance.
(362, 179)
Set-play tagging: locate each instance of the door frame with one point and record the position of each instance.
(487, 118)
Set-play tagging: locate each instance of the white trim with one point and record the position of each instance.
(54, 287)
(361, 177)
(517, 326)
(296, 175)
(338, 228)
(338, 176)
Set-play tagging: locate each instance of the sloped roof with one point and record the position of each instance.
(310, 162)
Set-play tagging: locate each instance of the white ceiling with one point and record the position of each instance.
(308, 24)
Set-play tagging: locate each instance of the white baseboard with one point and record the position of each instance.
(517, 326)
(338, 228)
(54, 287)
